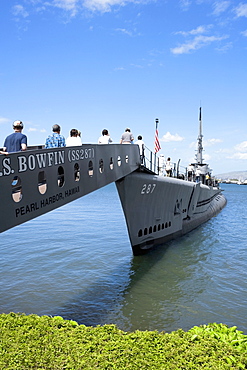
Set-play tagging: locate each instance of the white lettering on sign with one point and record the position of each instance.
(7, 170)
(40, 160)
(148, 188)
(80, 154)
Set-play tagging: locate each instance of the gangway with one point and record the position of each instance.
(35, 182)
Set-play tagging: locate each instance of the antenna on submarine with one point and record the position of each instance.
(199, 140)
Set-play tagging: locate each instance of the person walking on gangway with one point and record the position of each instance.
(141, 144)
(168, 167)
(56, 140)
(127, 137)
(16, 141)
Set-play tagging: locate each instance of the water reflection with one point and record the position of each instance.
(165, 285)
(85, 270)
(151, 292)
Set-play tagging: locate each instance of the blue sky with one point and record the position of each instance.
(94, 64)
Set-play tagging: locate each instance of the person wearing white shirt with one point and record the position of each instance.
(74, 138)
(190, 172)
(141, 144)
(105, 138)
(168, 167)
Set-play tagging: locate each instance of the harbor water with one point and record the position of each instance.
(77, 262)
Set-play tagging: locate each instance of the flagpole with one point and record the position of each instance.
(156, 128)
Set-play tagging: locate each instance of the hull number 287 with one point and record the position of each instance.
(148, 188)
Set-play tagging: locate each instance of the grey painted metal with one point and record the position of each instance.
(37, 181)
(158, 209)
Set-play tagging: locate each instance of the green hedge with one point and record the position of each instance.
(33, 342)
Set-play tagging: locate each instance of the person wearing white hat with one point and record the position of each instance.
(16, 141)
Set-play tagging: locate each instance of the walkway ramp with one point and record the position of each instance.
(37, 181)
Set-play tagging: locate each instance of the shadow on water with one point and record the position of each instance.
(150, 292)
(190, 281)
(102, 301)
(162, 297)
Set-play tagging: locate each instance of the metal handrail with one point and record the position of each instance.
(150, 160)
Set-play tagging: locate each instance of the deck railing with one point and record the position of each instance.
(155, 163)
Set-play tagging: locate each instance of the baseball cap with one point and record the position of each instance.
(18, 123)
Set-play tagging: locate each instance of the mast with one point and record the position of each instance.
(199, 140)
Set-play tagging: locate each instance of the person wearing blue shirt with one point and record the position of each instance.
(55, 140)
(15, 142)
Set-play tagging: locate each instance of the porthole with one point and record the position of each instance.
(60, 176)
(127, 159)
(119, 162)
(145, 231)
(159, 227)
(42, 185)
(163, 226)
(140, 233)
(166, 225)
(170, 224)
(76, 172)
(111, 163)
(16, 189)
(154, 229)
(150, 230)
(101, 166)
(90, 168)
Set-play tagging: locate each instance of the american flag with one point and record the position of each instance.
(157, 146)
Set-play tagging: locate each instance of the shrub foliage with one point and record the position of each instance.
(33, 342)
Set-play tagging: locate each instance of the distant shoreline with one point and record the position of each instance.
(234, 177)
(234, 181)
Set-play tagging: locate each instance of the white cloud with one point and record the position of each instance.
(225, 47)
(101, 5)
(196, 31)
(4, 120)
(169, 137)
(220, 7)
(238, 156)
(244, 33)
(193, 144)
(123, 30)
(206, 157)
(19, 11)
(106, 5)
(240, 151)
(119, 69)
(136, 65)
(185, 4)
(73, 6)
(67, 5)
(211, 142)
(34, 129)
(242, 147)
(241, 10)
(195, 44)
